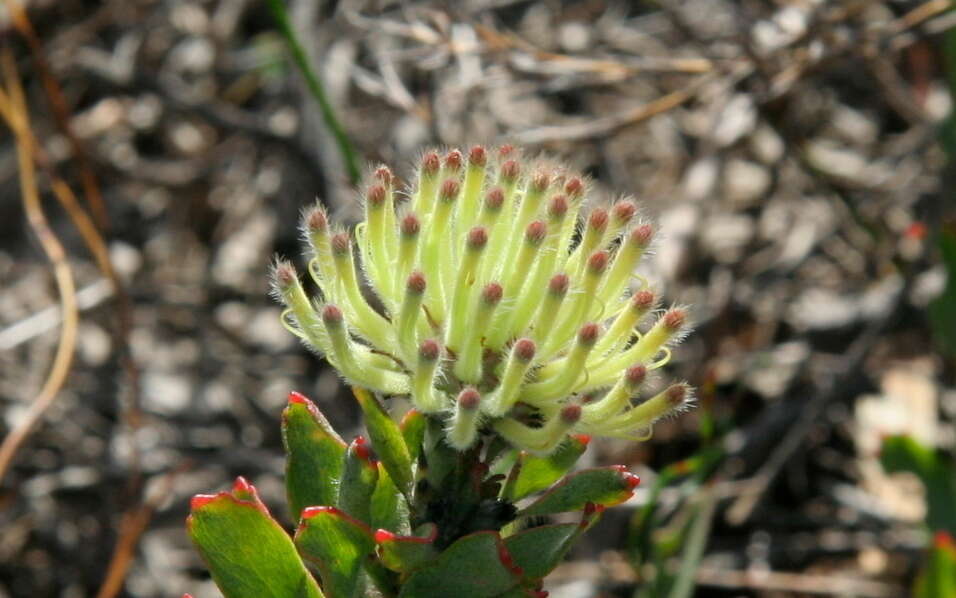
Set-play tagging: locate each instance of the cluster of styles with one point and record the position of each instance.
(507, 316)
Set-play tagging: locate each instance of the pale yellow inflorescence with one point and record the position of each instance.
(497, 304)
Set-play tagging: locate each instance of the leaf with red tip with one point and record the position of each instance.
(413, 431)
(387, 440)
(606, 486)
(531, 474)
(388, 509)
(405, 554)
(359, 478)
(475, 566)
(314, 455)
(248, 554)
(538, 550)
(338, 545)
(938, 576)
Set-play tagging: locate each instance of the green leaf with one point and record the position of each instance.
(338, 545)
(389, 509)
(938, 474)
(442, 460)
(605, 486)
(938, 577)
(387, 440)
(475, 566)
(413, 431)
(405, 554)
(694, 543)
(315, 456)
(539, 550)
(646, 520)
(247, 552)
(359, 478)
(531, 473)
(903, 453)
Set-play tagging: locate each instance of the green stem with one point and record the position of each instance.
(281, 17)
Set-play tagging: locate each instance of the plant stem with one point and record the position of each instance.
(281, 17)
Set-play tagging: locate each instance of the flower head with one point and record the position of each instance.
(500, 306)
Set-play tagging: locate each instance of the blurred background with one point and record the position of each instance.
(799, 159)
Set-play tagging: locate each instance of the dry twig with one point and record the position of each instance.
(604, 125)
(61, 110)
(133, 525)
(13, 109)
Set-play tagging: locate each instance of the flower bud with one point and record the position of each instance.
(524, 350)
(510, 171)
(570, 414)
(597, 221)
(494, 199)
(536, 232)
(557, 207)
(634, 376)
(429, 350)
(623, 211)
(640, 236)
(512, 378)
(676, 395)
(477, 156)
(597, 263)
(383, 175)
(574, 188)
(642, 301)
(410, 226)
(284, 275)
(640, 417)
(316, 224)
(543, 325)
(543, 439)
(375, 196)
(477, 238)
(449, 190)
(469, 398)
(505, 151)
(430, 164)
(316, 220)
(332, 315)
(588, 334)
(674, 320)
(340, 244)
(540, 181)
(491, 293)
(453, 162)
(463, 429)
(416, 283)
(426, 398)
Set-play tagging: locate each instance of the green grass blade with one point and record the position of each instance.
(281, 17)
(696, 543)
